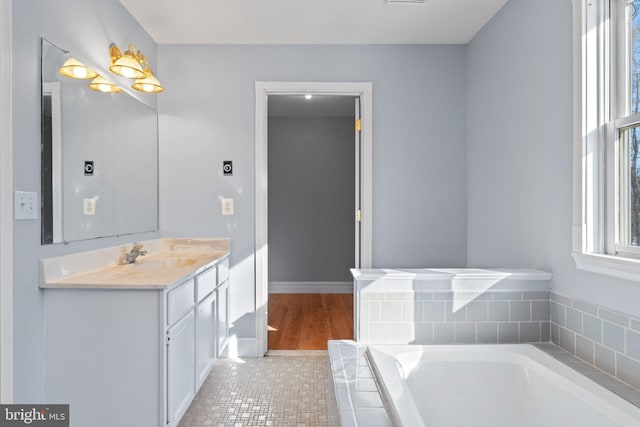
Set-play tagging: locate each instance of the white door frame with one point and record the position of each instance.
(263, 89)
(6, 205)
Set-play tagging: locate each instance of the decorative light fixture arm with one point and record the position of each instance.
(143, 60)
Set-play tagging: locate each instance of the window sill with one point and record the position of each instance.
(609, 265)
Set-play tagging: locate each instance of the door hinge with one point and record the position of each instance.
(358, 215)
(358, 125)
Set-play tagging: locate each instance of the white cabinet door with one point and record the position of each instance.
(206, 316)
(223, 317)
(180, 367)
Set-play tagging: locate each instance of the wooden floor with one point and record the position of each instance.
(308, 321)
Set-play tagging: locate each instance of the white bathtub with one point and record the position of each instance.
(491, 385)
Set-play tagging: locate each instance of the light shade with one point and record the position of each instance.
(103, 85)
(75, 69)
(127, 64)
(149, 84)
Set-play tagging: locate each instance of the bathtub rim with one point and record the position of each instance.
(402, 415)
(407, 410)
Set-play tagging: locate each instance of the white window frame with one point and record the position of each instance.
(596, 167)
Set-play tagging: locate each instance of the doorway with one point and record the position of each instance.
(364, 160)
(312, 145)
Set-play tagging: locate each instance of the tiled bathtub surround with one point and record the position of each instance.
(357, 394)
(453, 306)
(604, 338)
(625, 391)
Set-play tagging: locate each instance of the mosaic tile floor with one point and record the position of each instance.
(280, 391)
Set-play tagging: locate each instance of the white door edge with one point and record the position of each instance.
(6, 207)
(364, 90)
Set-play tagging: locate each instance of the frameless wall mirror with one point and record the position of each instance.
(99, 158)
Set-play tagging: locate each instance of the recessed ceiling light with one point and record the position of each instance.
(308, 96)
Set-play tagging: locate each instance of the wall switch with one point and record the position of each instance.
(227, 206)
(25, 205)
(89, 207)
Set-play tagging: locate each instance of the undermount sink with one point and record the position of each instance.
(162, 263)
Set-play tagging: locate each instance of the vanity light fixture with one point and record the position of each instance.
(103, 85)
(134, 65)
(127, 64)
(75, 69)
(149, 83)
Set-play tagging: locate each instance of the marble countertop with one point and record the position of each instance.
(168, 262)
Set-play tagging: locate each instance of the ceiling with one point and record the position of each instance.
(312, 21)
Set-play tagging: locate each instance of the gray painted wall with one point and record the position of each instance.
(85, 28)
(520, 146)
(419, 178)
(311, 198)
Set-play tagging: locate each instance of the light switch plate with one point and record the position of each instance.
(25, 205)
(227, 206)
(89, 207)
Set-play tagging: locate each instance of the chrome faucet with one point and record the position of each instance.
(135, 252)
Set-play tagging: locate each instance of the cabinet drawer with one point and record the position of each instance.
(179, 301)
(205, 284)
(223, 271)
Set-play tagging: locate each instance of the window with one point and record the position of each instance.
(607, 166)
(627, 132)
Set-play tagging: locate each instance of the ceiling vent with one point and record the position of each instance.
(406, 1)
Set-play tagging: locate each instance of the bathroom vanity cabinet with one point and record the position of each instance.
(134, 355)
(197, 334)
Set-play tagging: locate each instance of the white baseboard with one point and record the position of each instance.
(310, 287)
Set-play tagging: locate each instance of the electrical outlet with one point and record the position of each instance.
(227, 206)
(25, 205)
